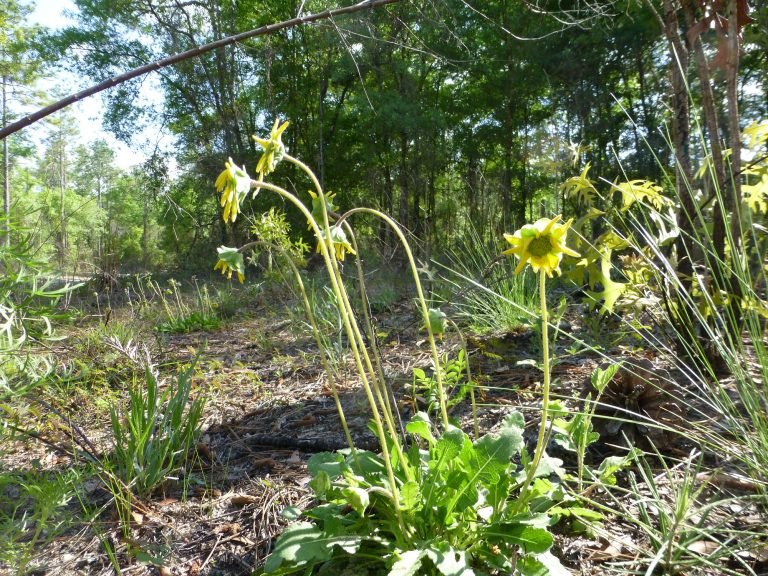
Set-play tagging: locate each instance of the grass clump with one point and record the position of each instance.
(154, 436)
(491, 298)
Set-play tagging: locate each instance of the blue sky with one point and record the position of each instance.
(89, 112)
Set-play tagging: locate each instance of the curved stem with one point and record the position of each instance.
(387, 392)
(333, 272)
(360, 349)
(422, 301)
(318, 340)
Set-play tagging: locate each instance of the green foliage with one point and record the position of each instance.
(456, 513)
(576, 434)
(491, 298)
(674, 510)
(193, 322)
(33, 512)
(180, 316)
(454, 376)
(154, 435)
(28, 311)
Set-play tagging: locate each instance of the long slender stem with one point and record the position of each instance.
(318, 341)
(388, 393)
(422, 301)
(333, 272)
(539, 451)
(357, 342)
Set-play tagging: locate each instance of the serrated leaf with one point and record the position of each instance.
(580, 187)
(756, 133)
(549, 465)
(639, 191)
(447, 446)
(755, 196)
(494, 452)
(611, 291)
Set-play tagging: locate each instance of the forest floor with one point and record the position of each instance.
(269, 408)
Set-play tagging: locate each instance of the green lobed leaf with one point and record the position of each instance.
(410, 494)
(600, 378)
(611, 291)
(494, 451)
(613, 464)
(447, 446)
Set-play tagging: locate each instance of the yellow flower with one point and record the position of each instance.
(230, 260)
(339, 242)
(233, 183)
(542, 244)
(273, 149)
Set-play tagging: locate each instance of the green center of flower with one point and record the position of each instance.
(540, 246)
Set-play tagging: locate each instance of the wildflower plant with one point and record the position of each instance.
(542, 245)
(444, 503)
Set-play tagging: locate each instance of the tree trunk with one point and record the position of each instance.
(6, 173)
(734, 130)
(713, 129)
(145, 234)
(681, 127)
(62, 186)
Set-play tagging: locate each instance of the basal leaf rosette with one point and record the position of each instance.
(274, 149)
(541, 244)
(233, 184)
(230, 260)
(339, 243)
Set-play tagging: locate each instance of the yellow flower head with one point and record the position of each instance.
(274, 150)
(542, 244)
(339, 242)
(230, 260)
(233, 183)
